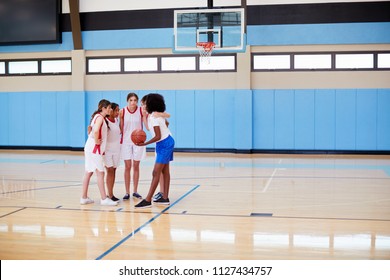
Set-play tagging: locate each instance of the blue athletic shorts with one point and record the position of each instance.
(164, 150)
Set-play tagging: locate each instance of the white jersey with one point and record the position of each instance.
(94, 153)
(153, 121)
(90, 144)
(113, 136)
(131, 121)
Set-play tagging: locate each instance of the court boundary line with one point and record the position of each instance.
(20, 208)
(193, 214)
(270, 178)
(280, 217)
(41, 189)
(145, 224)
(13, 212)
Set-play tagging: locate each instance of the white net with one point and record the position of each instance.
(205, 50)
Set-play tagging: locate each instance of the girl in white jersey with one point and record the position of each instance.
(131, 118)
(94, 150)
(113, 149)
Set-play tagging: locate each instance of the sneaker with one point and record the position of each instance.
(108, 202)
(162, 200)
(157, 196)
(113, 198)
(126, 197)
(137, 195)
(87, 200)
(143, 204)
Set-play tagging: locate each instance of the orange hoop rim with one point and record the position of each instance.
(207, 46)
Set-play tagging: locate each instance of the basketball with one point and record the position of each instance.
(138, 136)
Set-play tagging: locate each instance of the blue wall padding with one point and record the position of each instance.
(325, 119)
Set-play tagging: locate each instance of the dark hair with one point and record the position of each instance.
(104, 103)
(131, 94)
(155, 103)
(144, 98)
(114, 105)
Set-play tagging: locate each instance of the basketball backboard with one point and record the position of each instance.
(224, 27)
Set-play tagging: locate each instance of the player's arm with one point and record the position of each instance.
(157, 136)
(145, 117)
(121, 120)
(164, 115)
(96, 130)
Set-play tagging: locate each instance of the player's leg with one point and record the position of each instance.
(110, 179)
(100, 183)
(167, 180)
(84, 196)
(103, 195)
(136, 164)
(127, 178)
(158, 195)
(147, 202)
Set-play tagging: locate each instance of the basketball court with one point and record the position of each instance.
(223, 206)
(282, 140)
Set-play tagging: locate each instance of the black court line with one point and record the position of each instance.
(13, 212)
(282, 177)
(44, 188)
(252, 215)
(48, 161)
(271, 216)
(261, 214)
(222, 177)
(39, 180)
(330, 218)
(145, 224)
(189, 178)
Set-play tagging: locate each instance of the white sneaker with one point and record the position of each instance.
(87, 200)
(108, 202)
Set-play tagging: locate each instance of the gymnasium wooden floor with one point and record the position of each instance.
(223, 206)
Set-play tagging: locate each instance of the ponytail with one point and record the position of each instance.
(102, 104)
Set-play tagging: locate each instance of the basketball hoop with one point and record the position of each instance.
(205, 50)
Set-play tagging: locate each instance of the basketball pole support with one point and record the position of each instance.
(244, 6)
(210, 24)
(210, 5)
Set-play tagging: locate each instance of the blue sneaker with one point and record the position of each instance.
(137, 195)
(157, 196)
(161, 200)
(126, 197)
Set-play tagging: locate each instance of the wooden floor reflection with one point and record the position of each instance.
(223, 206)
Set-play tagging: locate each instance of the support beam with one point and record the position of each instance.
(244, 5)
(75, 23)
(210, 19)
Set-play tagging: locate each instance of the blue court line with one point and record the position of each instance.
(145, 224)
